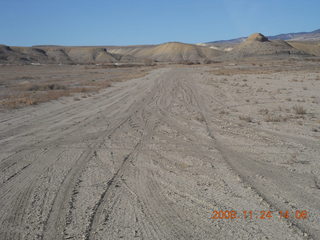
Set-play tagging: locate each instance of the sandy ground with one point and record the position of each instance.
(22, 85)
(153, 157)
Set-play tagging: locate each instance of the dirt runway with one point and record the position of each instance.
(151, 158)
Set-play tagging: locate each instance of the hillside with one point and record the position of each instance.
(171, 52)
(301, 36)
(58, 54)
(311, 47)
(9, 55)
(259, 45)
(167, 52)
(174, 52)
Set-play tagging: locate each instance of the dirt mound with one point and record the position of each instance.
(171, 52)
(58, 55)
(129, 50)
(257, 37)
(65, 55)
(11, 55)
(175, 52)
(4, 52)
(259, 45)
(25, 55)
(90, 55)
(33, 54)
(312, 47)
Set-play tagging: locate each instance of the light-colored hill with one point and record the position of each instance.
(174, 52)
(57, 54)
(300, 36)
(171, 52)
(90, 55)
(312, 47)
(128, 50)
(33, 54)
(10, 55)
(257, 37)
(259, 45)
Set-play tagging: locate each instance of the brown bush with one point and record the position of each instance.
(46, 87)
(299, 109)
(274, 118)
(246, 118)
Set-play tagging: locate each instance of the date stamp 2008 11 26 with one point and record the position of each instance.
(264, 215)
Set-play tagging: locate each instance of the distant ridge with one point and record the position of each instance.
(305, 44)
(171, 52)
(257, 45)
(300, 36)
(63, 55)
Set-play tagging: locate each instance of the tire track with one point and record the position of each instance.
(147, 129)
(142, 164)
(76, 172)
(228, 155)
(97, 209)
(59, 206)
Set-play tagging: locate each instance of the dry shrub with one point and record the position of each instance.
(188, 62)
(200, 118)
(298, 109)
(148, 62)
(273, 118)
(26, 93)
(236, 71)
(260, 89)
(208, 61)
(104, 84)
(246, 118)
(264, 111)
(32, 99)
(18, 101)
(40, 96)
(26, 78)
(53, 95)
(46, 87)
(223, 112)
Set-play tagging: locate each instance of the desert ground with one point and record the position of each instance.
(23, 85)
(94, 152)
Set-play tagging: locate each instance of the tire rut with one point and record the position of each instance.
(228, 155)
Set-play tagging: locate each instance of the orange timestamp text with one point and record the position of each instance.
(263, 214)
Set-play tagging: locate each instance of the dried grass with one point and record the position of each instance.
(300, 110)
(275, 118)
(66, 82)
(246, 118)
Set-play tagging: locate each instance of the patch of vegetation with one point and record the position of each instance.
(47, 87)
(300, 110)
(246, 118)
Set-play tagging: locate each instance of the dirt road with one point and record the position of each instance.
(151, 158)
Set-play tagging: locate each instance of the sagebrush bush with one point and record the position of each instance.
(299, 109)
